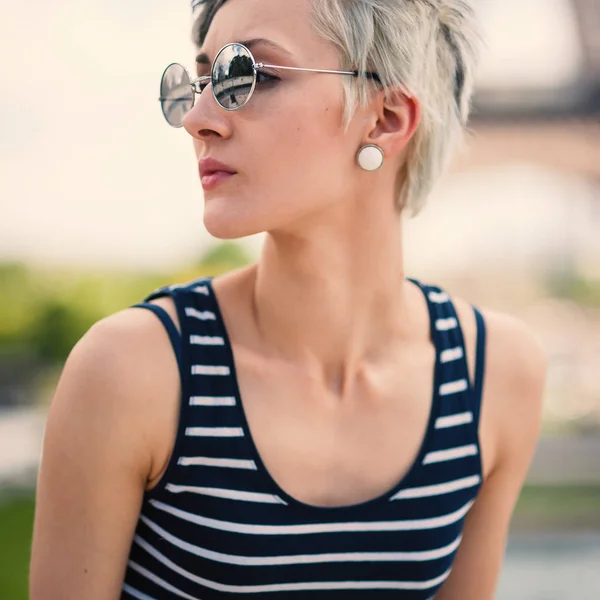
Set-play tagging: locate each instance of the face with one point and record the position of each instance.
(291, 155)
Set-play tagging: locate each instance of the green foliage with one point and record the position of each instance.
(572, 286)
(56, 330)
(222, 258)
(16, 525)
(558, 507)
(19, 297)
(44, 313)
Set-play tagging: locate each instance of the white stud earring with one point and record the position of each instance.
(370, 157)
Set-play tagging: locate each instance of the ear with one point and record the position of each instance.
(395, 118)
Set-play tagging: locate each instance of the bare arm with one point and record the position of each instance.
(98, 456)
(516, 369)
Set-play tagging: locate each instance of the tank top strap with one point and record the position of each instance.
(447, 335)
(169, 326)
(479, 364)
(204, 351)
(177, 293)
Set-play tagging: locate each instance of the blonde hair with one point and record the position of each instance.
(427, 46)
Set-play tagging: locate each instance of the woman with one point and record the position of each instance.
(316, 424)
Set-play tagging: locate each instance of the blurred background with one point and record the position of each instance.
(100, 204)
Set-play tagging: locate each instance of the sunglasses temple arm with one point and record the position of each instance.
(261, 65)
(370, 75)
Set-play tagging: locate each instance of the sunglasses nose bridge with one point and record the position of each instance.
(206, 117)
(197, 83)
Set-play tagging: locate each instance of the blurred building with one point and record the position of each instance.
(548, 67)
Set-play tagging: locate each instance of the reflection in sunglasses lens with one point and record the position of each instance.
(233, 76)
(176, 94)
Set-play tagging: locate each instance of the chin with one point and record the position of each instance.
(233, 217)
(229, 225)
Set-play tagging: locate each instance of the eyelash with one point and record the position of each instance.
(268, 78)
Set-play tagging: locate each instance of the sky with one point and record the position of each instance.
(91, 175)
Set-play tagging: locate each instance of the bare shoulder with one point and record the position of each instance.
(126, 372)
(108, 423)
(129, 343)
(512, 346)
(516, 373)
(516, 363)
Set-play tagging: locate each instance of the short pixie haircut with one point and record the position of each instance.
(428, 46)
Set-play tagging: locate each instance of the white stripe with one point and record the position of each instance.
(161, 582)
(454, 387)
(210, 370)
(439, 297)
(439, 489)
(204, 315)
(226, 463)
(212, 401)
(136, 594)
(451, 454)
(206, 340)
(201, 289)
(446, 324)
(454, 420)
(245, 528)
(287, 587)
(220, 432)
(303, 559)
(176, 286)
(452, 354)
(228, 494)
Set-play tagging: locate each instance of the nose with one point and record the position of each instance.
(207, 119)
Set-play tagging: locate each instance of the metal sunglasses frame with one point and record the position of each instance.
(257, 66)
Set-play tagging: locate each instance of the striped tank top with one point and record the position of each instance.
(218, 526)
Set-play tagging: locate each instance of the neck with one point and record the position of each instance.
(333, 300)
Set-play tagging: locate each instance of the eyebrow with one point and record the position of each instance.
(203, 58)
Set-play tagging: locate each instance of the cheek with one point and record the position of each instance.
(307, 141)
(304, 172)
(325, 151)
(301, 162)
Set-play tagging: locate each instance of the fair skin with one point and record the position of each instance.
(326, 312)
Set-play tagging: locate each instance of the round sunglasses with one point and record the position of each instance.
(233, 77)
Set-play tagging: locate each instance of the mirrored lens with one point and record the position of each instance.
(176, 94)
(233, 76)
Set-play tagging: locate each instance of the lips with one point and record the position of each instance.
(213, 172)
(210, 166)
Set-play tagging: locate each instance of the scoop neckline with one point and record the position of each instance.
(261, 467)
